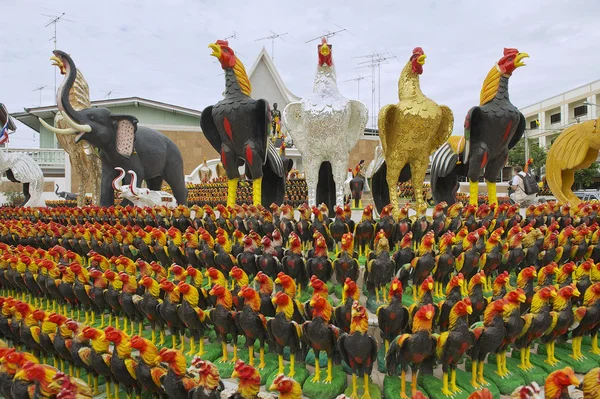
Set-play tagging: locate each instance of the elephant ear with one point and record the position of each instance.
(126, 127)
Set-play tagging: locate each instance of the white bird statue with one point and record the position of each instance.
(325, 127)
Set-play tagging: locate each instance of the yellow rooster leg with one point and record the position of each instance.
(182, 343)
(257, 191)
(71, 313)
(101, 320)
(445, 389)
(116, 390)
(492, 197)
(192, 347)
(366, 394)
(55, 362)
(225, 355)
(473, 192)
(173, 342)
(474, 382)
(413, 385)
(403, 394)
(262, 363)
(595, 350)
(108, 390)
(140, 328)
(481, 380)
(499, 370)
(131, 327)
(317, 377)
(292, 373)
(527, 355)
(201, 347)
(354, 394)
(251, 356)
(523, 365)
(299, 290)
(387, 346)
(329, 377)
(235, 356)
(280, 370)
(93, 321)
(377, 294)
(161, 341)
(71, 369)
(232, 191)
(548, 359)
(453, 387)
(96, 391)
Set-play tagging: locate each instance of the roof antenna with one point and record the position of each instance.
(232, 36)
(40, 90)
(330, 34)
(55, 20)
(272, 39)
(357, 80)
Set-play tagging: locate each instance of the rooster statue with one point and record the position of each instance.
(325, 127)
(410, 131)
(238, 128)
(491, 129)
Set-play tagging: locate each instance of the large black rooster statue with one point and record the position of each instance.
(238, 127)
(491, 129)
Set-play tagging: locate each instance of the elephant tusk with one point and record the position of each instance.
(76, 126)
(117, 181)
(133, 182)
(56, 130)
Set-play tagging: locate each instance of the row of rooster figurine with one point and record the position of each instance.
(502, 326)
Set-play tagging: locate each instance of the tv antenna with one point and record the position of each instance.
(55, 19)
(40, 88)
(272, 39)
(374, 61)
(232, 36)
(330, 34)
(357, 80)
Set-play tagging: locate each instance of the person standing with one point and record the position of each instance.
(518, 186)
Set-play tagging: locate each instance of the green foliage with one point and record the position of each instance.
(585, 177)
(516, 155)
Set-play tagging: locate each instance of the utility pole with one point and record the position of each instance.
(272, 39)
(55, 20)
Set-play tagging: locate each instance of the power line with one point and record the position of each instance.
(272, 39)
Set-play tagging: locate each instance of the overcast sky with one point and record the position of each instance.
(158, 49)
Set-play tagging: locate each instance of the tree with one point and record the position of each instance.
(516, 156)
(585, 177)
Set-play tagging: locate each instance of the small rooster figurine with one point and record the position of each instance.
(359, 349)
(287, 387)
(248, 381)
(321, 335)
(558, 382)
(393, 318)
(412, 349)
(209, 380)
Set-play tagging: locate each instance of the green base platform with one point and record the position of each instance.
(564, 355)
(391, 388)
(321, 390)
(433, 386)
(374, 390)
(505, 386)
(211, 353)
(539, 371)
(300, 376)
(463, 380)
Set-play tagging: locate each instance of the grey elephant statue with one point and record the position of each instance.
(121, 143)
(66, 195)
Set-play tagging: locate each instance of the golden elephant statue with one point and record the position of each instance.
(575, 148)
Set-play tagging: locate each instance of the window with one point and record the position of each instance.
(580, 111)
(555, 118)
(533, 124)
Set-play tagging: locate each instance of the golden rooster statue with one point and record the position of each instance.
(410, 132)
(576, 148)
(84, 159)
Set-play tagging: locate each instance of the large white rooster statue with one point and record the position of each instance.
(325, 127)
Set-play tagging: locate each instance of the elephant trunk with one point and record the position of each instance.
(116, 183)
(56, 191)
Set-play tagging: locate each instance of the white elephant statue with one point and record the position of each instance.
(141, 196)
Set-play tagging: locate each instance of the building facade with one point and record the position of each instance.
(547, 118)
